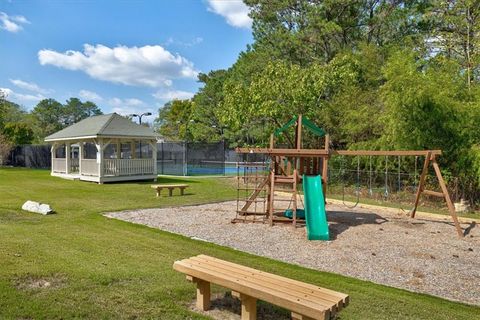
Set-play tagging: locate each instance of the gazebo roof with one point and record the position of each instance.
(108, 126)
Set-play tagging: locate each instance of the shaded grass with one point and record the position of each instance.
(108, 268)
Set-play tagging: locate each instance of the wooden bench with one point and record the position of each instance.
(305, 301)
(170, 188)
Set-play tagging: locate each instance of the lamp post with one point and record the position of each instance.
(140, 123)
(140, 116)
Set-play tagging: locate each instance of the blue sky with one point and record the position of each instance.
(126, 56)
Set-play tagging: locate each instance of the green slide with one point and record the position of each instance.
(315, 216)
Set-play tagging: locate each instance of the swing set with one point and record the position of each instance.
(385, 191)
(261, 182)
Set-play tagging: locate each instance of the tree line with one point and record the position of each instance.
(20, 127)
(375, 74)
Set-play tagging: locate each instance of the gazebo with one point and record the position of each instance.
(105, 148)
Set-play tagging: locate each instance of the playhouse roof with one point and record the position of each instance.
(108, 126)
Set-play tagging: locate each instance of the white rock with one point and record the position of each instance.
(462, 206)
(36, 207)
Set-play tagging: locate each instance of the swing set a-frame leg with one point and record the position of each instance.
(450, 205)
(421, 189)
(421, 184)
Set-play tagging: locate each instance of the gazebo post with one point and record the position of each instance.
(80, 157)
(67, 157)
(118, 149)
(53, 150)
(99, 145)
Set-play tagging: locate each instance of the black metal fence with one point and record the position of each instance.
(173, 158)
(30, 156)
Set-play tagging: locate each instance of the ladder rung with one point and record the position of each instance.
(250, 213)
(254, 200)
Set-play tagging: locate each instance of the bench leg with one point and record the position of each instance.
(249, 306)
(182, 191)
(158, 192)
(296, 316)
(203, 294)
(170, 192)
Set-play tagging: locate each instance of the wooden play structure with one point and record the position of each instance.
(287, 166)
(304, 300)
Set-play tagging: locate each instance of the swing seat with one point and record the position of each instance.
(289, 213)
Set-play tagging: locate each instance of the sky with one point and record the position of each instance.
(126, 56)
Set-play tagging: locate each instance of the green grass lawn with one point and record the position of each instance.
(101, 268)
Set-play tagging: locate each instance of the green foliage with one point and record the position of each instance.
(174, 119)
(76, 110)
(50, 115)
(18, 133)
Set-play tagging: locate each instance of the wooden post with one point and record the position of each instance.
(421, 184)
(295, 181)
(249, 306)
(272, 190)
(450, 205)
(325, 167)
(203, 293)
(298, 136)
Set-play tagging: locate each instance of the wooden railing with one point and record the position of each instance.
(89, 167)
(128, 167)
(59, 165)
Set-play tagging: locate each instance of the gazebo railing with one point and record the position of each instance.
(128, 167)
(89, 167)
(59, 165)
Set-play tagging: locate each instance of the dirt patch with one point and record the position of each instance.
(226, 307)
(33, 282)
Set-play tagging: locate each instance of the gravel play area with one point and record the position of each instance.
(379, 245)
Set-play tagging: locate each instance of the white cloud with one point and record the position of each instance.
(235, 12)
(12, 23)
(22, 98)
(129, 106)
(194, 42)
(168, 95)
(30, 86)
(151, 66)
(90, 96)
(129, 102)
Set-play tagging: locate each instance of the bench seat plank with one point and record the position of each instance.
(169, 185)
(305, 299)
(297, 288)
(341, 298)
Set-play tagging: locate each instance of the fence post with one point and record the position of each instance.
(185, 168)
